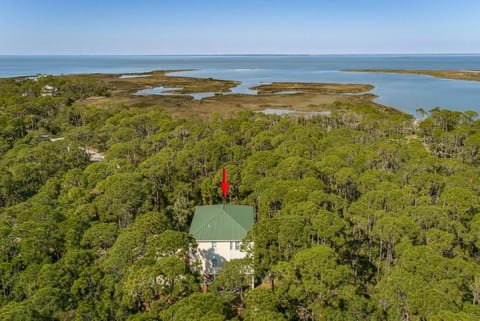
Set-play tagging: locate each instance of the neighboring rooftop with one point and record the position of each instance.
(221, 222)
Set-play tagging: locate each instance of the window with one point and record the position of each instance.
(232, 243)
(237, 245)
(214, 246)
(214, 262)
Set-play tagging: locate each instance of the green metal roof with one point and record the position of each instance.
(221, 222)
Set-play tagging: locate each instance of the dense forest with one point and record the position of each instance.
(360, 215)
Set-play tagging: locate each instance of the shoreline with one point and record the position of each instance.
(465, 75)
(295, 96)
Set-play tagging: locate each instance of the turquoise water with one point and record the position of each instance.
(405, 92)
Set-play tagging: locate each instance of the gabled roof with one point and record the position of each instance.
(221, 222)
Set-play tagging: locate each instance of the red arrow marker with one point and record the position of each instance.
(225, 183)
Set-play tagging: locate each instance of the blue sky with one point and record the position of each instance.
(238, 27)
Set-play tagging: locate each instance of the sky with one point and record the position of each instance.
(31, 27)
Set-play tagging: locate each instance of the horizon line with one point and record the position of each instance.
(253, 54)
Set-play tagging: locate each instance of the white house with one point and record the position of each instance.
(49, 91)
(219, 231)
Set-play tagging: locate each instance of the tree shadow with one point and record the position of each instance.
(212, 262)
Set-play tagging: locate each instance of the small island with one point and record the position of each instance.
(319, 88)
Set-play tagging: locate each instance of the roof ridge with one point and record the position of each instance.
(221, 220)
(207, 223)
(234, 218)
(226, 214)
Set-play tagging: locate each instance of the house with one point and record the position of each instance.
(219, 231)
(49, 91)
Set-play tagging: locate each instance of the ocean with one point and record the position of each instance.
(404, 92)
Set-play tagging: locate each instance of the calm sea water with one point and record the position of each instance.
(405, 92)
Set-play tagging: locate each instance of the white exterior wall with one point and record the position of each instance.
(213, 257)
